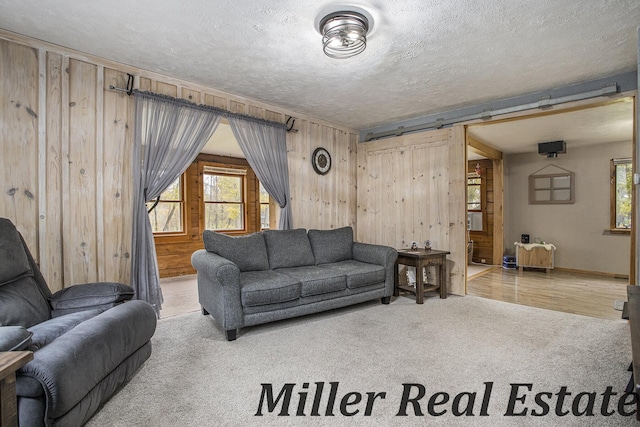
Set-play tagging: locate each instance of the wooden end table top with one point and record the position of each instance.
(421, 253)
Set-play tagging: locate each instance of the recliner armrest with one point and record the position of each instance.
(76, 362)
(14, 338)
(89, 296)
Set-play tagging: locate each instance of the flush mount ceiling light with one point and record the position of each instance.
(344, 34)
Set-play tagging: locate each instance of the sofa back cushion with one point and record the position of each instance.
(22, 301)
(288, 248)
(14, 262)
(248, 252)
(331, 245)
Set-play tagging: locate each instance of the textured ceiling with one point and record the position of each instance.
(423, 56)
(603, 124)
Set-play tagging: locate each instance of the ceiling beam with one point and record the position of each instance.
(483, 149)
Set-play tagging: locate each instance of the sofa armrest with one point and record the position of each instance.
(384, 256)
(375, 254)
(219, 288)
(14, 338)
(215, 267)
(89, 296)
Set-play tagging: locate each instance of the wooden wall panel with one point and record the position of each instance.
(80, 232)
(456, 192)
(191, 95)
(144, 84)
(164, 88)
(19, 139)
(322, 201)
(119, 112)
(412, 188)
(237, 107)
(215, 101)
(51, 260)
(72, 199)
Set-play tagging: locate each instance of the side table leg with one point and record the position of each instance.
(442, 278)
(419, 284)
(396, 290)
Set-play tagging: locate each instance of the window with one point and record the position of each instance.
(224, 199)
(474, 193)
(474, 202)
(621, 187)
(167, 215)
(264, 208)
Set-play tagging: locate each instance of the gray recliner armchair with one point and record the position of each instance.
(87, 339)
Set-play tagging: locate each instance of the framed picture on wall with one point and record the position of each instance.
(558, 188)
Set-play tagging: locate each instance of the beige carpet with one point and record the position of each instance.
(453, 346)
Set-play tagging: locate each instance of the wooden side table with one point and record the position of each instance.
(10, 362)
(419, 259)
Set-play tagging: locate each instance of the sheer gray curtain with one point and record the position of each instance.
(169, 134)
(265, 147)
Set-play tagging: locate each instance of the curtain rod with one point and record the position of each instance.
(222, 112)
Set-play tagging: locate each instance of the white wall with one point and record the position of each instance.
(579, 230)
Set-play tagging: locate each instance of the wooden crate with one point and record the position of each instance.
(537, 256)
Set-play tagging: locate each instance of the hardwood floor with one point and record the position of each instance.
(588, 295)
(570, 292)
(180, 295)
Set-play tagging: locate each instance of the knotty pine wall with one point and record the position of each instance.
(66, 142)
(413, 188)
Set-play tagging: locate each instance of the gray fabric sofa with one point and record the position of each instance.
(86, 340)
(278, 274)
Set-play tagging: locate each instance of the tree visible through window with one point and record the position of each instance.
(166, 216)
(224, 201)
(621, 187)
(264, 208)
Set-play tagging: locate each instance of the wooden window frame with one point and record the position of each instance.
(245, 205)
(613, 196)
(269, 204)
(474, 176)
(483, 198)
(184, 202)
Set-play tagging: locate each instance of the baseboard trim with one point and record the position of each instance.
(595, 273)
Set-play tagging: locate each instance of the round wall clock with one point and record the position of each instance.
(321, 161)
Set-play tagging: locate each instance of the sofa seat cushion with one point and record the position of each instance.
(331, 245)
(248, 252)
(288, 248)
(316, 281)
(358, 273)
(45, 332)
(267, 287)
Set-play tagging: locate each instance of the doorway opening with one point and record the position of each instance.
(594, 133)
